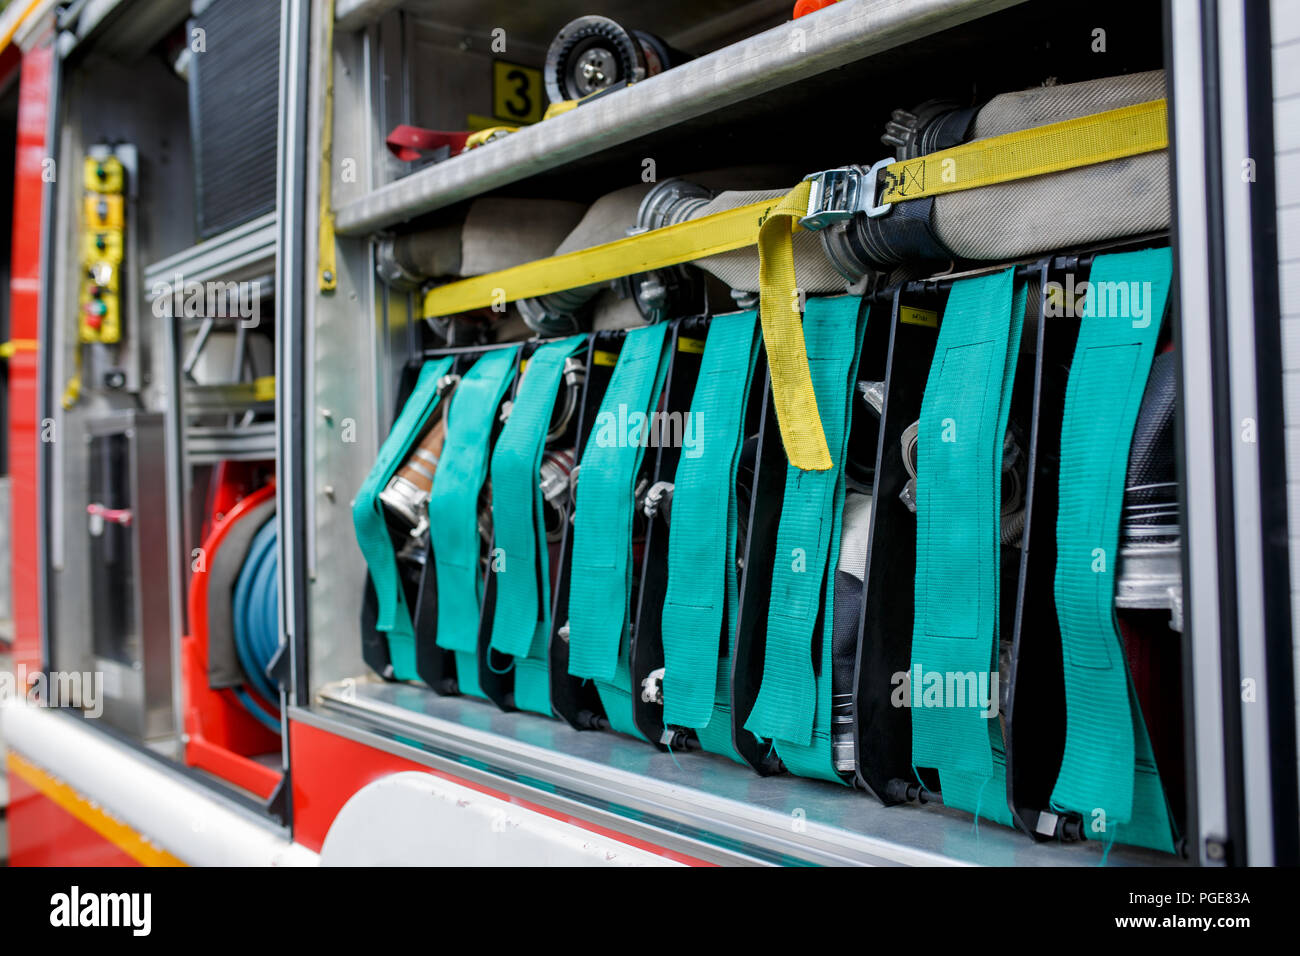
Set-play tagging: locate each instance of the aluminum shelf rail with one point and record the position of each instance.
(209, 444)
(354, 14)
(699, 804)
(829, 39)
(228, 256)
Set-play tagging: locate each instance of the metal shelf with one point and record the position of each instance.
(242, 252)
(208, 444)
(236, 398)
(824, 41)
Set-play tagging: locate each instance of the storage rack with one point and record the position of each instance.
(702, 806)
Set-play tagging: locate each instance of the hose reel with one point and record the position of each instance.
(234, 605)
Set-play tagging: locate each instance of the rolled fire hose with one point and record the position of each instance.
(521, 624)
(454, 508)
(662, 293)
(474, 245)
(393, 618)
(600, 588)
(1014, 480)
(608, 219)
(794, 703)
(958, 540)
(1122, 197)
(850, 575)
(702, 598)
(1150, 571)
(1108, 772)
(1126, 196)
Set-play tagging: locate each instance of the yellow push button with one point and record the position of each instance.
(102, 244)
(103, 211)
(103, 175)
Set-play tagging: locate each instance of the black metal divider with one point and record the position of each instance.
(756, 586)
(883, 745)
(1024, 394)
(1035, 713)
(647, 651)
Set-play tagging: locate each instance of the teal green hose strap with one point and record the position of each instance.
(700, 605)
(793, 707)
(1108, 772)
(394, 618)
(958, 543)
(453, 508)
(521, 621)
(601, 576)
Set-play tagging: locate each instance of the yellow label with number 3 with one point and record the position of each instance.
(517, 92)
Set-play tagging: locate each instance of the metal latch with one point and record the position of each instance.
(839, 194)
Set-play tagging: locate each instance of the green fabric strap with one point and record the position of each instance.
(958, 543)
(793, 706)
(700, 605)
(521, 621)
(372, 530)
(601, 577)
(1108, 772)
(453, 508)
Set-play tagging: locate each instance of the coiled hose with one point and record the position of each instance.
(1151, 487)
(257, 620)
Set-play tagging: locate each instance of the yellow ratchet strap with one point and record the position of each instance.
(487, 134)
(694, 239)
(1084, 141)
(780, 309)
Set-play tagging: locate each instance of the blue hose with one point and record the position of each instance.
(258, 713)
(257, 617)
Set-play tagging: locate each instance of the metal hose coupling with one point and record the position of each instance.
(406, 497)
(558, 313)
(593, 53)
(556, 476)
(575, 374)
(862, 235)
(677, 290)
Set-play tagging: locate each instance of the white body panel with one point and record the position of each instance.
(418, 819)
